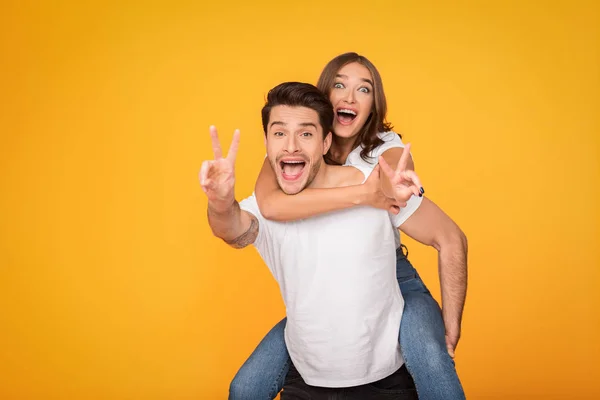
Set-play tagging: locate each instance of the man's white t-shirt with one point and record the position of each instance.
(337, 276)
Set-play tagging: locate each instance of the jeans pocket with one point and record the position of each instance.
(413, 285)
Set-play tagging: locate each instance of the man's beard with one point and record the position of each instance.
(314, 170)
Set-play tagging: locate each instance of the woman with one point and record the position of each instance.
(361, 135)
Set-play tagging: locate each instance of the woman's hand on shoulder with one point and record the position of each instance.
(403, 180)
(374, 196)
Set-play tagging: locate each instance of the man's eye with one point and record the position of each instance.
(278, 134)
(306, 134)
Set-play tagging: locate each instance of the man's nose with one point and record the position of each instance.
(291, 145)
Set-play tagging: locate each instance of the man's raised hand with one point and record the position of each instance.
(217, 177)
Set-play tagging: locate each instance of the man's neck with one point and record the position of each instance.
(323, 177)
(341, 148)
(331, 176)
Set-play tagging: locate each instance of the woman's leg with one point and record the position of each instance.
(262, 375)
(422, 338)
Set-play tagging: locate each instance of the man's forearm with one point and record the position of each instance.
(227, 223)
(453, 281)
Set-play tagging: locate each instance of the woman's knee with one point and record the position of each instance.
(261, 374)
(245, 387)
(422, 328)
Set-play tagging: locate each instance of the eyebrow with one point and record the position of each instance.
(362, 79)
(301, 124)
(308, 124)
(277, 123)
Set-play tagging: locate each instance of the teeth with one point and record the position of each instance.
(292, 162)
(345, 110)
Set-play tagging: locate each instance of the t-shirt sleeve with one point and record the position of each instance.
(365, 170)
(411, 206)
(390, 140)
(250, 205)
(264, 243)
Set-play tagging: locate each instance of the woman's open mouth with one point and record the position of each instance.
(345, 116)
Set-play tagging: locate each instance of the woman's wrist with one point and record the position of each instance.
(360, 195)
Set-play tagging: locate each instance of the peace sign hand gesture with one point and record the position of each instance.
(217, 176)
(405, 182)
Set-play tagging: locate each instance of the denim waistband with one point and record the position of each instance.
(402, 252)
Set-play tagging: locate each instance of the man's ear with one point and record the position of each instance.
(327, 143)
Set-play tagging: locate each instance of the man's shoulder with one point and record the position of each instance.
(249, 204)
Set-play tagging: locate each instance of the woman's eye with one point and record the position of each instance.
(364, 90)
(338, 85)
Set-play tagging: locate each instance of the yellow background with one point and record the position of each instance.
(111, 285)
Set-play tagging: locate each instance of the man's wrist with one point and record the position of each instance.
(221, 207)
(451, 324)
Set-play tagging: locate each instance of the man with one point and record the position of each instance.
(336, 271)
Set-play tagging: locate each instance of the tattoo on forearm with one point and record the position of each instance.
(247, 237)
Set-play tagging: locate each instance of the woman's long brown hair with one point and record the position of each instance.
(376, 122)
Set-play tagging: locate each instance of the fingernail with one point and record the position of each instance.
(422, 190)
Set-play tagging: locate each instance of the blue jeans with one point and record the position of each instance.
(422, 340)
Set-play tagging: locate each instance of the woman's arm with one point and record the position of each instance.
(275, 205)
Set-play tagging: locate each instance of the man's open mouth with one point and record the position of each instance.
(345, 116)
(292, 169)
